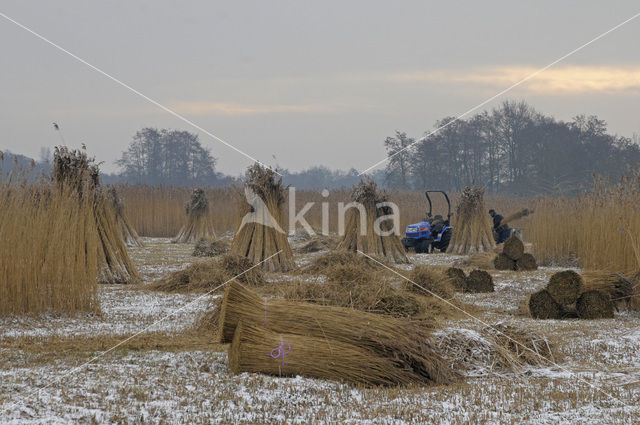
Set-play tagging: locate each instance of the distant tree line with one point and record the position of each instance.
(168, 157)
(512, 149)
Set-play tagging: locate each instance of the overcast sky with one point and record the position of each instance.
(299, 83)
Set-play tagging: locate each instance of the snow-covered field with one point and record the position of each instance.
(596, 379)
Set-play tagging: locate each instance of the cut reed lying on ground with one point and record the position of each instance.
(405, 342)
(45, 267)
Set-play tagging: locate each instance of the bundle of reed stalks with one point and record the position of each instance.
(359, 288)
(332, 258)
(568, 295)
(472, 228)
(211, 247)
(258, 349)
(73, 168)
(317, 243)
(481, 261)
(634, 298)
(479, 281)
(513, 256)
(198, 224)
(260, 235)
(365, 228)
(206, 275)
(129, 234)
(406, 345)
(494, 349)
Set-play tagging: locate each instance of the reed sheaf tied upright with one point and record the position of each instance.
(198, 225)
(48, 248)
(377, 239)
(129, 234)
(472, 230)
(74, 169)
(259, 241)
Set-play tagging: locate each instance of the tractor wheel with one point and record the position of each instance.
(422, 247)
(444, 241)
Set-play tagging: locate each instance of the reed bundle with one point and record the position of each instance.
(516, 216)
(457, 278)
(211, 248)
(569, 295)
(472, 228)
(527, 262)
(74, 169)
(634, 299)
(565, 287)
(257, 349)
(322, 263)
(369, 234)
(129, 234)
(434, 280)
(594, 304)
(513, 248)
(479, 281)
(317, 243)
(262, 238)
(542, 306)
(618, 287)
(406, 344)
(205, 275)
(198, 224)
(358, 288)
(481, 261)
(493, 349)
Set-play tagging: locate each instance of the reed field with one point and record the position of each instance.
(598, 230)
(45, 267)
(335, 338)
(160, 211)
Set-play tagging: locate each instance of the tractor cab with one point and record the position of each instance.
(434, 232)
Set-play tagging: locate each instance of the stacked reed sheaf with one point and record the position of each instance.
(371, 234)
(513, 256)
(290, 338)
(74, 170)
(261, 233)
(592, 295)
(198, 223)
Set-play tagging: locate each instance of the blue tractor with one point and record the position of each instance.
(432, 233)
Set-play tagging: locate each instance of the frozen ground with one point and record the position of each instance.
(596, 379)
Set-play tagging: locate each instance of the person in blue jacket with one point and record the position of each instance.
(501, 230)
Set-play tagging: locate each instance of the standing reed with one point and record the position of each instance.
(48, 250)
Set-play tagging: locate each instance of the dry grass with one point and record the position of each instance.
(340, 257)
(44, 267)
(598, 230)
(432, 279)
(494, 349)
(211, 247)
(159, 211)
(359, 288)
(205, 275)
